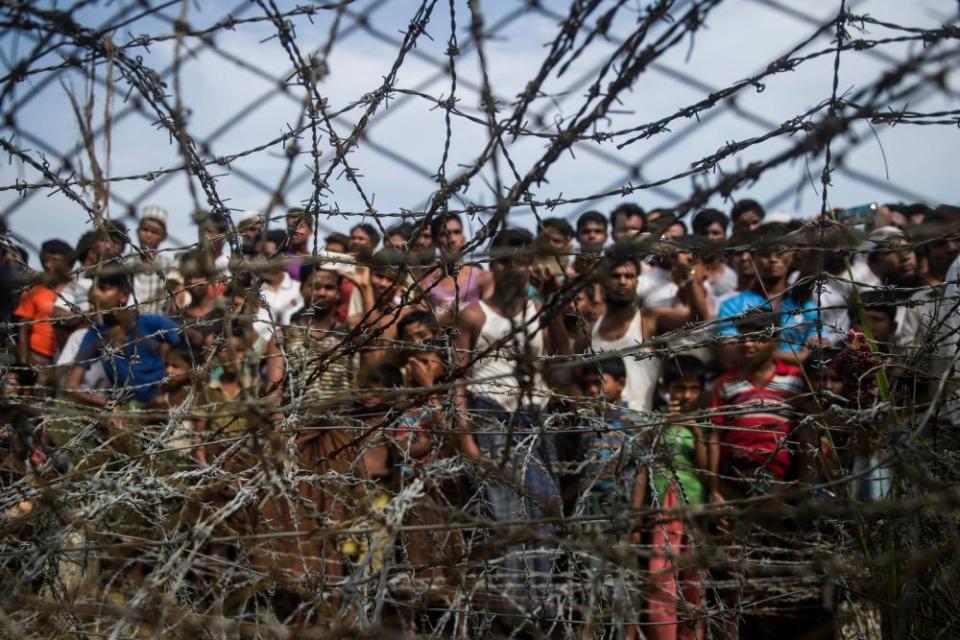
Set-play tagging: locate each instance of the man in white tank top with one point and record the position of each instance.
(624, 327)
(501, 339)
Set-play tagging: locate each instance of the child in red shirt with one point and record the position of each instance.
(38, 337)
(757, 445)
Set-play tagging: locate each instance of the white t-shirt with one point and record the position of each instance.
(76, 293)
(95, 378)
(279, 306)
(656, 288)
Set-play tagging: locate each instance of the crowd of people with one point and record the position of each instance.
(512, 413)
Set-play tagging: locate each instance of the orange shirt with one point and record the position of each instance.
(37, 305)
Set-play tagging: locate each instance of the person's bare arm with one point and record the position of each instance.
(468, 328)
(274, 370)
(713, 454)
(74, 386)
(794, 356)
(701, 456)
(23, 348)
(360, 278)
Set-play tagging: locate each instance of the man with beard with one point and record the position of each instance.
(502, 338)
(770, 292)
(624, 326)
(312, 353)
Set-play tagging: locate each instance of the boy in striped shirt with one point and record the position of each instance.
(757, 445)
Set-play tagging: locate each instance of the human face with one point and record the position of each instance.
(251, 234)
(199, 288)
(685, 393)
(942, 254)
(621, 283)
(511, 275)
(772, 266)
(54, 263)
(755, 350)
(150, 233)
(715, 233)
(751, 219)
(397, 241)
(299, 230)
(177, 371)
(451, 236)
(832, 381)
(107, 248)
(105, 296)
(425, 240)
(881, 325)
(433, 363)
(336, 247)
(213, 238)
(742, 265)
(384, 283)
(232, 354)
(554, 241)
(627, 226)
(361, 244)
(592, 236)
(585, 305)
(322, 291)
(417, 333)
(597, 385)
(899, 262)
(674, 232)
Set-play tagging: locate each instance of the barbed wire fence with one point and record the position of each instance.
(138, 527)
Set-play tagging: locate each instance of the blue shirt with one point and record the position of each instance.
(609, 455)
(798, 321)
(135, 366)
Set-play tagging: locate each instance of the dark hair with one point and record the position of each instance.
(818, 360)
(768, 236)
(626, 209)
(612, 366)
(439, 222)
(277, 237)
(708, 217)
(881, 300)
(757, 320)
(185, 351)
(919, 209)
(370, 230)
(57, 248)
(560, 225)
(666, 220)
(626, 250)
(117, 231)
(511, 239)
(424, 317)
(591, 216)
(85, 244)
(902, 207)
(404, 230)
(113, 274)
(388, 258)
(678, 221)
(683, 367)
(300, 214)
(220, 221)
(385, 375)
(308, 271)
(339, 238)
(745, 205)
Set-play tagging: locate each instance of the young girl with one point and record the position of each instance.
(675, 607)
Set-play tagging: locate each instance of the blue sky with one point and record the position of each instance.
(741, 37)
